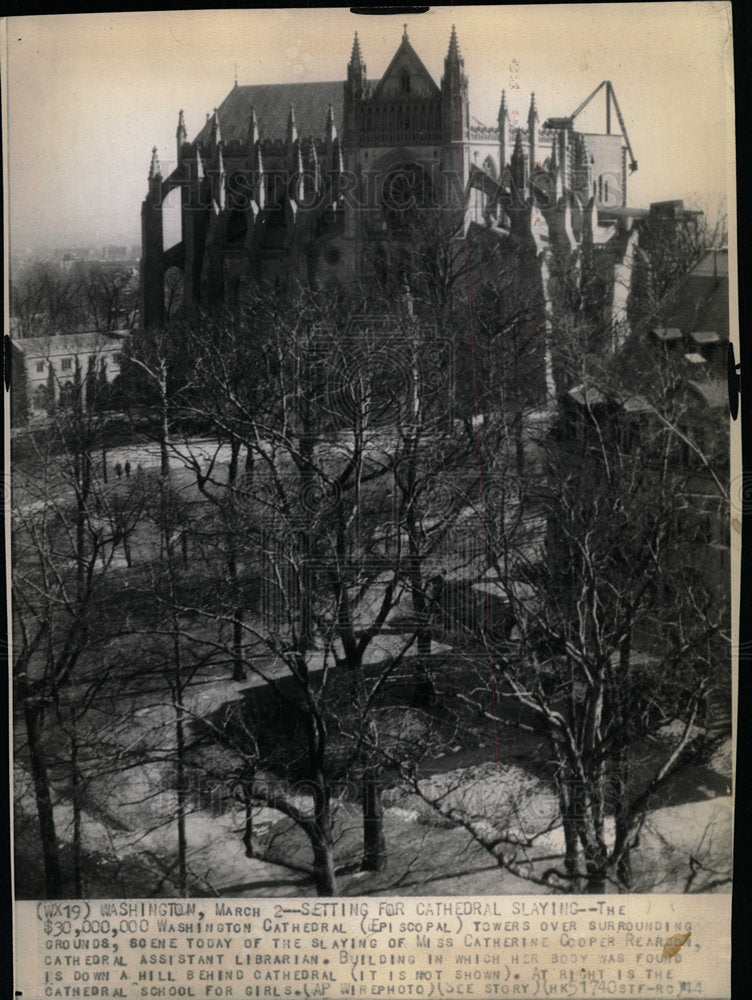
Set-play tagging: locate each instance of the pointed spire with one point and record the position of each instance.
(455, 107)
(181, 136)
(356, 59)
(292, 131)
(313, 164)
(532, 132)
(253, 128)
(154, 168)
(517, 164)
(220, 199)
(404, 30)
(503, 110)
(503, 122)
(313, 158)
(331, 128)
(216, 133)
(454, 45)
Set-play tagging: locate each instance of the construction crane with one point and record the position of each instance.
(610, 99)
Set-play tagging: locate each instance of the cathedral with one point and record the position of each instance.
(319, 180)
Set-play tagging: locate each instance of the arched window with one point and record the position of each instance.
(605, 191)
(405, 82)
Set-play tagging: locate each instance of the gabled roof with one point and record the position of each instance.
(700, 300)
(406, 57)
(272, 103)
(713, 263)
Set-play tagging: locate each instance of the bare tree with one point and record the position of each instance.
(65, 539)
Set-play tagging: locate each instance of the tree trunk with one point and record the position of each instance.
(323, 861)
(572, 852)
(238, 664)
(319, 828)
(425, 694)
(180, 775)
(519, 444)
(78, 889)
(322, 839)
(181, 796)
(374, 841)
(53, 875)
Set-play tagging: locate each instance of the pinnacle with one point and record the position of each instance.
(154, 168)
(253, 129)
(215, 129)
(533, 112)
(356, 56)
(292, 132)
(454, 45)
(312, 155)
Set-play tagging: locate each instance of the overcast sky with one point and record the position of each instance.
(89, 95)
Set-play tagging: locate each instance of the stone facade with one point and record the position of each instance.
(317, 180)
(52, 362)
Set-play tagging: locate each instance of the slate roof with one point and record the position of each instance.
(272, 103)
(714, 263)
(699, 302)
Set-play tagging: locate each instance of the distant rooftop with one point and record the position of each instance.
(667, 333)
(68, 343)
